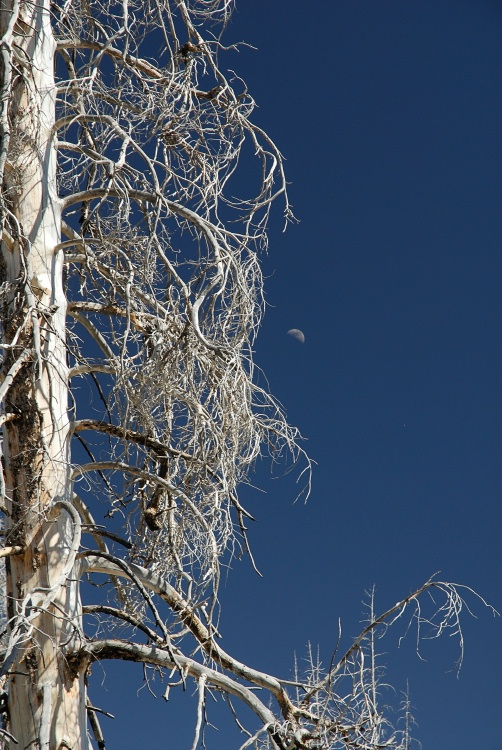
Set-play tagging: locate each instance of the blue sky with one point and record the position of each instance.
(389, 114)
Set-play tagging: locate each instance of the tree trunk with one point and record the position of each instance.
(46, 704)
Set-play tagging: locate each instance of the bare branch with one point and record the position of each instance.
(114, 649)
(9, 378)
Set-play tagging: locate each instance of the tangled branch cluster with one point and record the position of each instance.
(163, 294)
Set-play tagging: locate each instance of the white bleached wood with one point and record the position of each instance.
(46, 708)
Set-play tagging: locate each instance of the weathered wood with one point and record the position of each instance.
(46, 705)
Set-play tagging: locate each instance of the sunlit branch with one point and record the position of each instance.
(101, 563)
(115, 649)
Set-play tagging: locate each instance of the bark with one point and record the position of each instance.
(46, 704)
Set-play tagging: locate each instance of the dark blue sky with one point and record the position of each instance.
(389, 113)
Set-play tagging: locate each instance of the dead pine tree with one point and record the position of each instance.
(131, 294)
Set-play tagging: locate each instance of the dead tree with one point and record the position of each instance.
(131, 295)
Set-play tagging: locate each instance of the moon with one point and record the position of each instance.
(297, 334)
